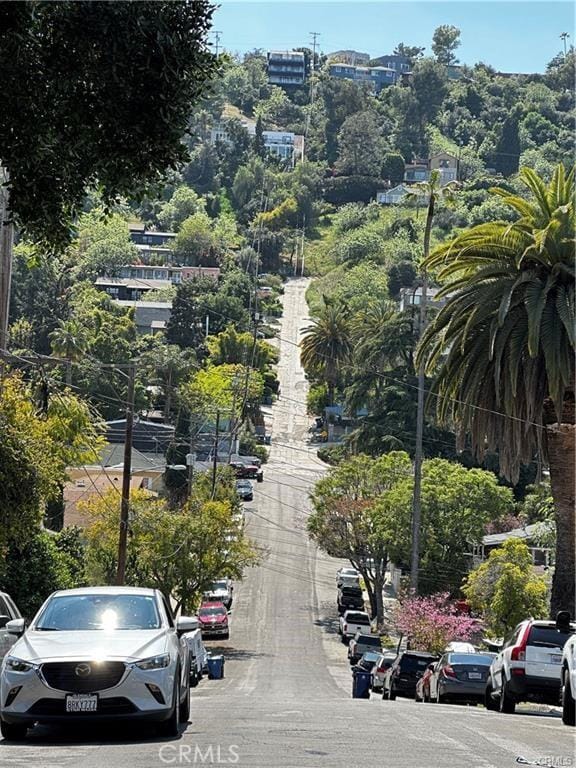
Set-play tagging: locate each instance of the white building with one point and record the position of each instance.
(397, 194)
(285, 145)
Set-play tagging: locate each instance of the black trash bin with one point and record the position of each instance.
(361, 683)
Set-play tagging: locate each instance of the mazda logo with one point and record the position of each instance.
(83, 670)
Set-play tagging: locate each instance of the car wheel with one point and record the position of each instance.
(13, 731)
(568, 707)
(392, 694)
(426, 696)
(384, 694)
(507, 703)
(489, 702)
(171, 726)
(226, 636)
(194, 679)
(185, 707)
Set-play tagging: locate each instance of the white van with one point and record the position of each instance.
(198, 656)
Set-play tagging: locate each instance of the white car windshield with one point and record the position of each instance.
(99, 612)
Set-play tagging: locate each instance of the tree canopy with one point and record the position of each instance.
(96, 95)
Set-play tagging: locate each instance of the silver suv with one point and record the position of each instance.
(528, 666)
(93, 654)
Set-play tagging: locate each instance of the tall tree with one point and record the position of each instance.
(360, 145)
(327, 345)
(507, 151)
(412, 52)
(502, 347)
(445, 40)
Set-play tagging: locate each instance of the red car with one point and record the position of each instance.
(247, 471)
(213, 618)
(423, 685)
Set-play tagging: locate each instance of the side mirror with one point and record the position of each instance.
(15, 627)
(186, 624)
(4, 620)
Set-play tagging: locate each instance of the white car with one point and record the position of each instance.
(97, 654)
(568, 681)
(352, 622)
(198, 655)
(221, 591)
(347, 577)
(8, 612)
(528, 666)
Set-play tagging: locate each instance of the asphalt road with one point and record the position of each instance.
(285, 701)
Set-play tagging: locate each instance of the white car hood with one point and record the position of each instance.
(129, 645)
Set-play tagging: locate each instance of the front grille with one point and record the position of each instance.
(83, 677)
(56, 707)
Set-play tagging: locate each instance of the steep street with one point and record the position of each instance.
(286, 700)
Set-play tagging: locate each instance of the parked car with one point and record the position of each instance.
(251, 471)
(221, 590)
(361, 643)
(349, 598)
(383, 664)
(528, 666)
(213, 618)
(460, 677)
(198, 654)
(422, 692)
(456, 646)
(8, 612)
(407, 668)
(347, 577)
(352, 622)
(94, 654)
(568, 681)
(245, 490)
(367, 661)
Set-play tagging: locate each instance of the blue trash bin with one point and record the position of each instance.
(215, 667)
(361, 683)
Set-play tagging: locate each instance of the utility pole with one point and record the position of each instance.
(217, 33)
(302, 244)
(564, 36)
(215, 461)
(190, 460)
(126, 477)
(417, 495)
(314, 36)
(6, 245)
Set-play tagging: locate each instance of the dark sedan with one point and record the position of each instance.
(460, 677)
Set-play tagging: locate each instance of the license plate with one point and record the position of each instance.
(474, 675)
(82, 702)
(556, 658)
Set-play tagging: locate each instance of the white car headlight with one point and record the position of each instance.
(154, 662)
(18, 665)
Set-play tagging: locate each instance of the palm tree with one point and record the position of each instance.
(502, 347)
(432, 191)
(327, 345)
(69, 341)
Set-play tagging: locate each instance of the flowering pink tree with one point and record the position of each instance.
(430, 623)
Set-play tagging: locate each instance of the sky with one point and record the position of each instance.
(511, 36)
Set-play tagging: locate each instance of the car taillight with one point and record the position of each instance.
(382, 669)
(448, 671)
(518, 652)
